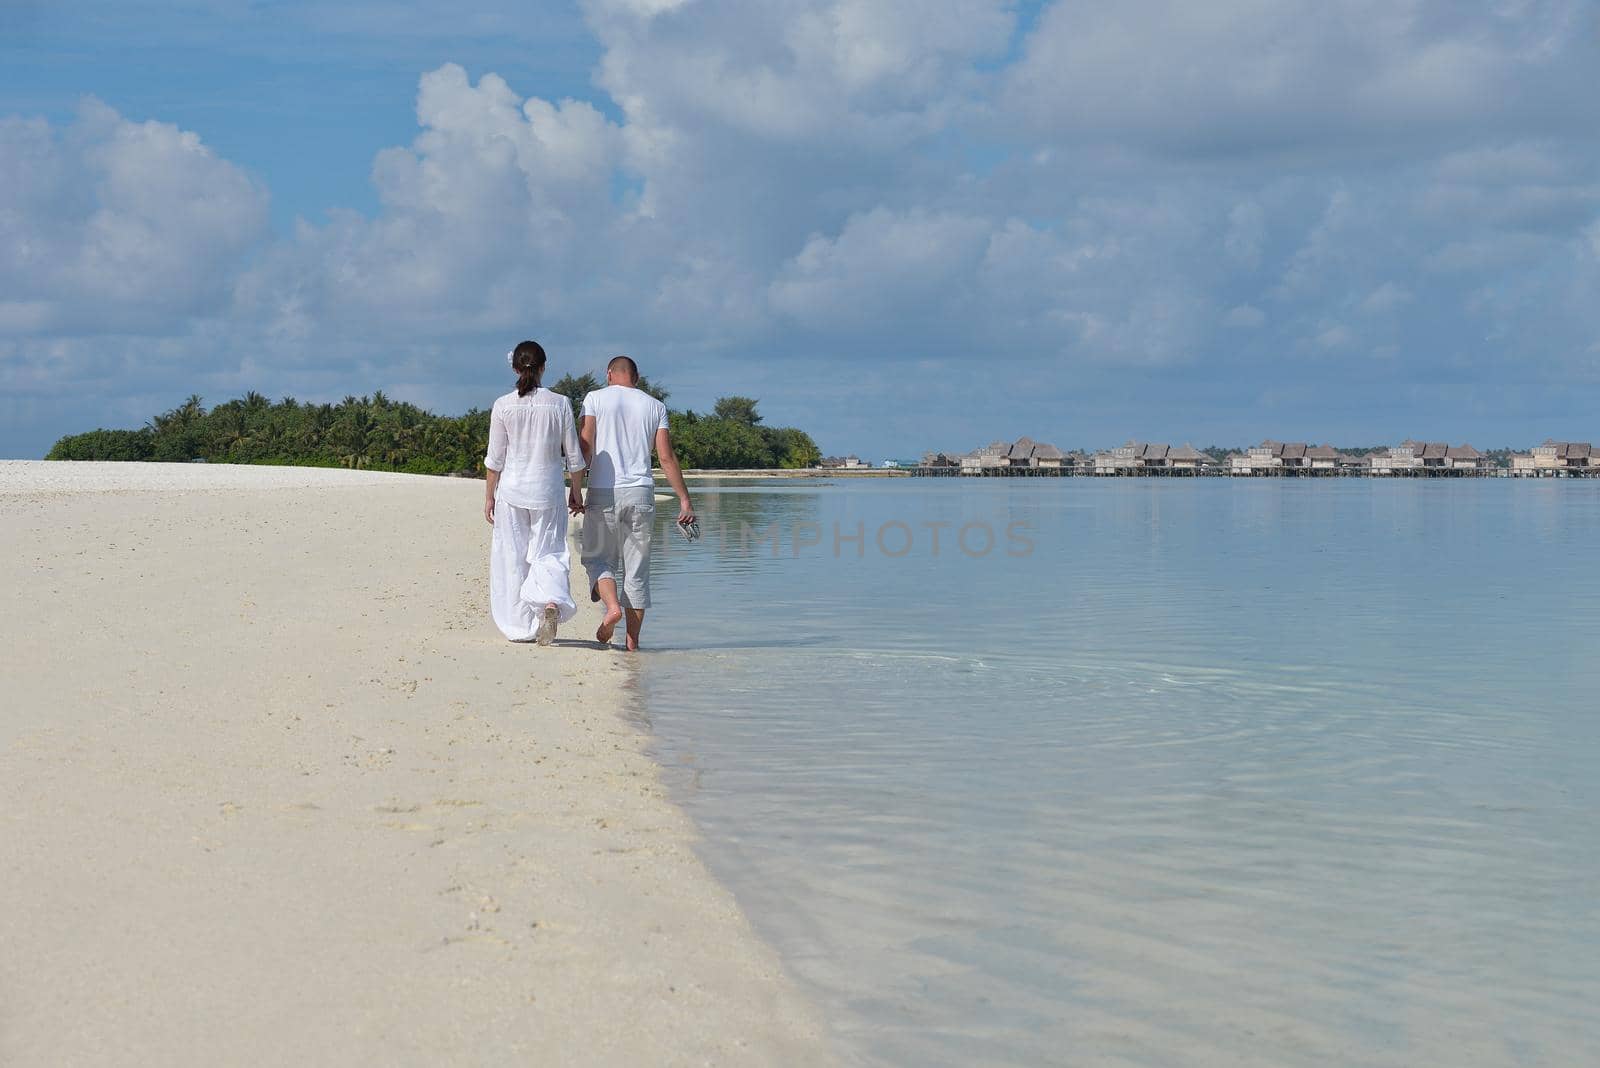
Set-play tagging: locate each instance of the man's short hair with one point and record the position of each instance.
(624, 363)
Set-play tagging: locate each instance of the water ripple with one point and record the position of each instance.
(1177, 792)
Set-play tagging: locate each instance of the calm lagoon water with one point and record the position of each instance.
(1269, 772)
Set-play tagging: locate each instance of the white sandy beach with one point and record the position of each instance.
(274, 791)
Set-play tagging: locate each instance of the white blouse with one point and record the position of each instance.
(527, 439)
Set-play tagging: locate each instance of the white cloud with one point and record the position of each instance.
(646, 9)
(1149, 185)
(1245, 316)
(1232, 75)
(111, 224)
(1334, 336)
(498, 212)
(805, 71)
(1386, 298)
(880, 267)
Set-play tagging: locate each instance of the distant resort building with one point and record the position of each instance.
(1188, 458)
(1001, 459)
(1294, 458)
(1428, 458)
(1026, 456)
(1027, 453)
(1048, 457)
(1557, 459)
(1121, 460)
(1152, 458)
(1409, 459)
(1324, 458)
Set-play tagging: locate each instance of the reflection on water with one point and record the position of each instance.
(1222, 772)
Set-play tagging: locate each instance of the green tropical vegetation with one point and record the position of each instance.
(731, 437)
(379, 434)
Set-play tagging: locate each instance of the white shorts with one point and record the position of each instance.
(618, 526)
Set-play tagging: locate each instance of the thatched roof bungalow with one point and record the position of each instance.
(1048, 456)
(1322, 458)
(1153, 455)
(1117, 461)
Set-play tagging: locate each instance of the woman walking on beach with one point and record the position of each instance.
(532, 443)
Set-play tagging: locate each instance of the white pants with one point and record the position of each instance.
(528, 568)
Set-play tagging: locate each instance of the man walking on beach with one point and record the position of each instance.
(621, 424)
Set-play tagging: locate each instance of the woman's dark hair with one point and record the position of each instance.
(527, 359)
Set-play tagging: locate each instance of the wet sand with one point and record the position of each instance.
(273, 790)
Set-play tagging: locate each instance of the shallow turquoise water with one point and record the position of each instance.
(1238, 772)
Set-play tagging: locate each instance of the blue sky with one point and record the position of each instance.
(903, 225)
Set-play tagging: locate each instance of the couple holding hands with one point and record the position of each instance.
(533, 446)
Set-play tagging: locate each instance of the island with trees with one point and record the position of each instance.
(380, 434)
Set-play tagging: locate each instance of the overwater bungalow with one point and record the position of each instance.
(1395, 460)
(1557, 459)
(1187, 458)
(986, 460)
(1428, 458)
(1433, 454)
(1145, 458)
(1021, 457)
(1264, 459)
(1049, 458)
(1122, 460)
(1295, 458)
(1579, 456)
(1411, 458)
(1268, 458)
(1466, 458)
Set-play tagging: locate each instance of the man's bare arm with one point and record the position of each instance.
(674, 473)
(586, 439)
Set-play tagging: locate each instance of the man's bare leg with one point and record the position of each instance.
(607, 590)
(635, 625)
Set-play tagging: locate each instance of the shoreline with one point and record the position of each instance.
(276, 789)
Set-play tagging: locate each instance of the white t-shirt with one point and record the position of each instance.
(527, 437)
(625, 425)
